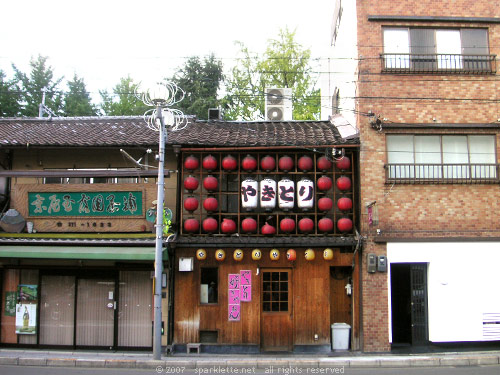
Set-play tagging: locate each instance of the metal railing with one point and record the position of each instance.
(442, 173)
(438, 63)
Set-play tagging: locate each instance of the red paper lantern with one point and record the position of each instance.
(191, 226)
(324, 183)
(285, 163)
(210, 183)
(249, 225)
(323, 163)
(210, 225)
(344, 163)
(325, 204)
(210, 204)
(249, 163)
(267, 229)
(306, 225)
(305, 163)
(344, 183)
(291, 255)
(191, 163)
(209, 163)
(191, 183)
(268, 163)
(229, 163)
(228, 226)
(287, 225)
(191, 204)
(325, 225)
(344, 204)
(344, 224)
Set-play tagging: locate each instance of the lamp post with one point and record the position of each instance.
(161, 97)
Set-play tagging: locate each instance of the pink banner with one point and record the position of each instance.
(234, 313)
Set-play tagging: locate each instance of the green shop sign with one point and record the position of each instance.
(85, 204)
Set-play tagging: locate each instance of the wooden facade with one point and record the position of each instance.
(317, 299)
(294, 301)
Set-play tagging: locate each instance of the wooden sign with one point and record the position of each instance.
(85, 204)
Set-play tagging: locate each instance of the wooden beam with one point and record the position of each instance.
(83, 173)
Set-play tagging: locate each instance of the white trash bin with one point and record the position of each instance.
(340, 336)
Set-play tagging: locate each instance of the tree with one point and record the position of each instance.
(201, 81)
(40, 78)
(77, 100)
(284, 64)
(127, 104)
(10, 97)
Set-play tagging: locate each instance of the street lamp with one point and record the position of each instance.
(161, 96)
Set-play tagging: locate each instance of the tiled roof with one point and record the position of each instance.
(132, 131)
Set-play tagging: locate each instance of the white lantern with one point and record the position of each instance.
(268, 194)
(305, 194)
(286, 194)
(249, 190)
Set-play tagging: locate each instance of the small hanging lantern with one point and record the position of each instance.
(249, 163)
(268, 163)
(191, 163)
(249, 190)
(256, 254)
(238, 255)
(286, 194)
(268, 194)
(210, 183)
(309, 254)
(249, 225)
(274, 254)
(328, 254)
(305, 163)
(285, 163)
(291, 255)
(220, 255)
(229, 163)
(287, 225)
(209, 163)
(191, 183)
(201, 254)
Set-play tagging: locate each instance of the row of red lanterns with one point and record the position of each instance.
(249, 225)
(267, 163)
(211, 204)
(274, 254)
(324, 183)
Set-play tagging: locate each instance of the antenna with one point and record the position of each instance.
(43, 108)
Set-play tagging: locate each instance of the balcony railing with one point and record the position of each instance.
(442, 173)
(404, 63)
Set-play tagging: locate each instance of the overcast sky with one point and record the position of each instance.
(104, 40)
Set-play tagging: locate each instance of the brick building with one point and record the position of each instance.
(428, 113)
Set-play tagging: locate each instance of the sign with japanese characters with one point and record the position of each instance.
(85, 204)
(234, 308)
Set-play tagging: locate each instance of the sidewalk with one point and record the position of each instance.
(94, 359)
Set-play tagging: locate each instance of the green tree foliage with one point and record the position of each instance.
(77, 100)
(41, 77)
(284, 64)
(201, 81)
(123, 101)
(10, 97)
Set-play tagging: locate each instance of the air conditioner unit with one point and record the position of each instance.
(278, 104)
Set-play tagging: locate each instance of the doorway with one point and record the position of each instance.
(276, 310)
(409, 304)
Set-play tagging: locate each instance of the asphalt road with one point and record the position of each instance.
(465, 370)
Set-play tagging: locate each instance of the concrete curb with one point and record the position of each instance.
(178, 364)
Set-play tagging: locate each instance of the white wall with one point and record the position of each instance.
(340, 70)
(463, 283)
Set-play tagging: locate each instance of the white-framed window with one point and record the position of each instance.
(90, 180)
(449, 157)
(428, 49)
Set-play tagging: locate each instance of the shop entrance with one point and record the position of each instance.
(276, 310)
(409, 303)
(95, 312)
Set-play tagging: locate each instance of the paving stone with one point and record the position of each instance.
(120, 363)
(90, 363)
(32, 362)
(61, 362)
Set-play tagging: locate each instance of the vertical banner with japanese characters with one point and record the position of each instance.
(234, 307)
(245, 286)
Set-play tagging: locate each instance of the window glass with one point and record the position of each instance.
(447, 45)
(400, 149)
(396, 42)
(209, 285)
(482, 151)
(428, 152)
(455, 151)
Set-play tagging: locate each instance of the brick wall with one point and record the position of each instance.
(419, 211)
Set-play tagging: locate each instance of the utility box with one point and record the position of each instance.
(341, 333)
